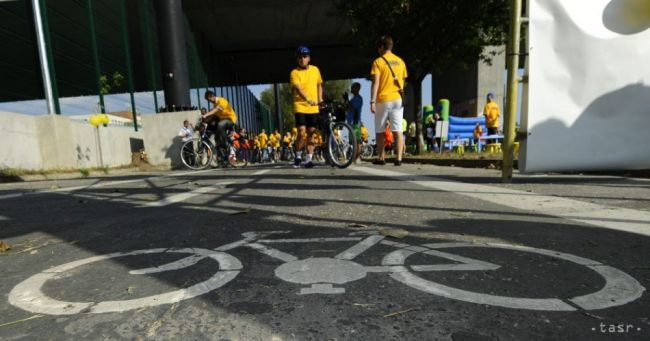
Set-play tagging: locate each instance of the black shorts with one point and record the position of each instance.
(308, 120)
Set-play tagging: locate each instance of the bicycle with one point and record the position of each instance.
(340, 139)
(319, 275)
(367, 150)
(199, 153)
(287, 154)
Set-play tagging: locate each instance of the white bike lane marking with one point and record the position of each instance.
(27, 295)
(184, 196)
(322, 273)
(620, 288)
(615, 218)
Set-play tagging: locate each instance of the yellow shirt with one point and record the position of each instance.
(388, 90)
(273, 141)
(228, 113)
(257, 143)
(287, 139)
(278, 136)
(308, 80)
(263, 138)
(492, 113)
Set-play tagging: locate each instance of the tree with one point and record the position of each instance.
(331, 90)
(430, 36)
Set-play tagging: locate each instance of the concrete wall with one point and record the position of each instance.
(161, 140)
(56, 142)
(466, 89)
(20, 144)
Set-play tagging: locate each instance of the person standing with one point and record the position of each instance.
(412, 129)
(492, 113)
(353, 114)
(307, 89)
(388, 73)
(478, 131)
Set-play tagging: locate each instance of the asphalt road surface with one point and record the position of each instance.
(367, 253)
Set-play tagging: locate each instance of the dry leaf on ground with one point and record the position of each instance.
(395, 233)
(4, 247)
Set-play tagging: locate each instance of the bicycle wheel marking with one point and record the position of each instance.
(620, 288)
(27, 295)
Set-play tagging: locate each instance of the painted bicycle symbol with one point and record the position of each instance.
(326, 275)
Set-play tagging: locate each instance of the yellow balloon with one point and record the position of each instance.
(94, 120)
(105, 119)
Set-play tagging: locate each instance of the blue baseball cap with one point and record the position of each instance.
(491, 95)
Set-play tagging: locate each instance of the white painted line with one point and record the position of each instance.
(232, 245)
(615, 218)
(359, 248)
(13, 195)
(28, 294)
(386, 268)
(547, 304)
(273, 252)
(620, 288)
(101, 184)
(394, 244)
(260, 172)
(310, 240)
(184, 196)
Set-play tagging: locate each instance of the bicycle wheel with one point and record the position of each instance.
(196, 154)
(342, 145)
(28, 295)
(366, 151)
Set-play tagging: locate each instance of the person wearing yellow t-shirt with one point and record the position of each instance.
(274, 147)
(388, 73)
(257, 151)
(478, 131)
(263, 138)
(491, 112)
(286, 146)
(227, 119)
(307, 89)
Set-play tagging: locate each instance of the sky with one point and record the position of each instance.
(145, 102)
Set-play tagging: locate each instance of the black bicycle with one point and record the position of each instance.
(199, 153)
(339, 138)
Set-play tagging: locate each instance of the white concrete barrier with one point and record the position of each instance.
(56, 142)
(161, 140)
(20, 142)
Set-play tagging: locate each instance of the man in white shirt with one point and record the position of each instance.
(187, 132)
